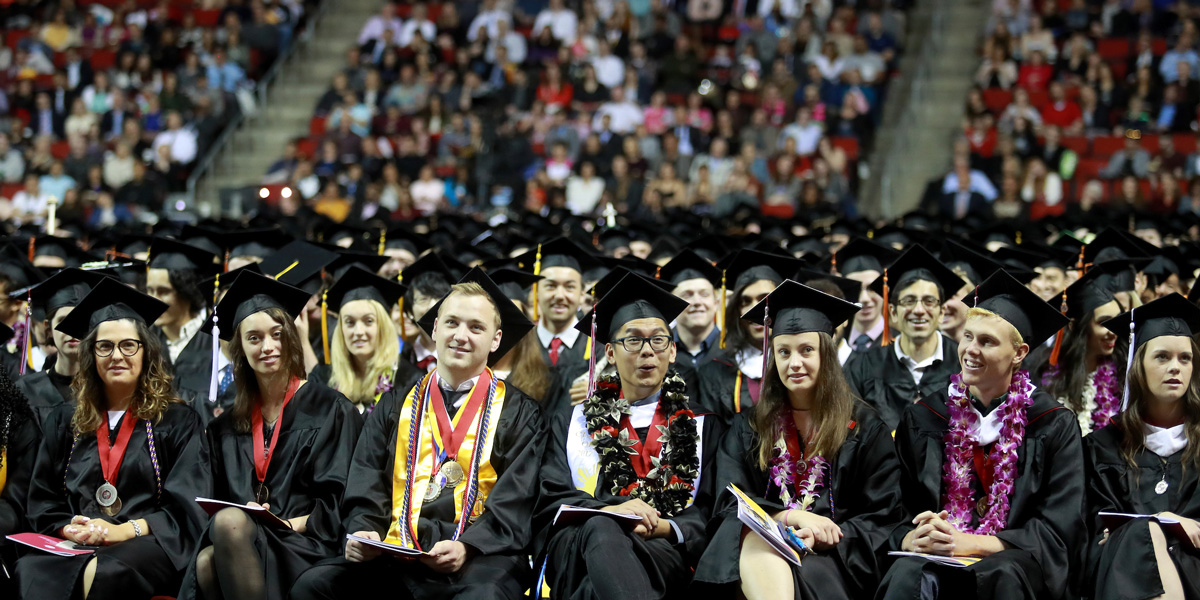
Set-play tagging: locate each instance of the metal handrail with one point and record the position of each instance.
(262, 87)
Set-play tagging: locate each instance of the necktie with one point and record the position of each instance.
(226, 379)
(861, 342)
(555, 344)
(424, 363)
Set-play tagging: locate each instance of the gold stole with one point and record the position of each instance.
(403, 528)
(3, 469)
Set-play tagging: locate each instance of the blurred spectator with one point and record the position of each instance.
(804, 132)
(561, 21)
(12, 163)
(56, 183)
(180, 140)
(1182, 52)
(118, 166)
(31, 203)
(584, 190)
(384, 22)
(1132, 161)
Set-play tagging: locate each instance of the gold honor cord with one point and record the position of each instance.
(537, 271)
(325, 324)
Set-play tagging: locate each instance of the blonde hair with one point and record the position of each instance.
(470, 288)
(1013, 334)
(361, 390)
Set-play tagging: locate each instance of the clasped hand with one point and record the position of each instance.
(933, 535)
(93, 532)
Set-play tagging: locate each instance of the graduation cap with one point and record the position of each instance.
(173, 255)
(514, 283)
(609, 281)
(360, 284)
(68, 287)
(1034, 319)
(710, 246)
(974, 265)
(403, 238)
(1093, 289)
(793, 308)
(688, 265)
(64, 248)
(204, 238)
(260, 243)
(1112, 244)
(110, 300)
(850, 288)
(861, 254)
(748, 266)
(808, 244)
(513, 322)
(15, 265)
(632, 297)
(428, 264)
(1171, 315)
(298, 264)
(615, 238)
(224, 280)
(559, 252)
(348, 258)
(253, 293)
(915, 264)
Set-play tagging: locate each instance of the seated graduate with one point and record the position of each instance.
(1147, 461)
(428, 280)
(731, 377)
(55, 298)
(20, 434)
(897, 372)
(863, 260)
(122, 467)
(809, 460)
(174, 276)
(635, 446)
(466, 496)
(365, 346)
(972, 267)
(696, 280)
(992, 467)
(285, 445)
(523, 366)
(1085, 368)
(16, 274)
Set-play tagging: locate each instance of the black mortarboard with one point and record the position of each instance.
(559, 252)
(1093, 289)
(6, 333)
(710, 246)
(204, 238)
(360, 284)
(1170, 315)
(689, 265)
(403, 238)
(974, 265)
(796, 308)
(299, 264)
(809, 244)
(429, 264)
(917, 264)
(514, 283)
(110, 300)
(861, 254)
(64, 248)
(171, 255)
(261, 243)
(633, 297)
(226, 279)
(68, 287)
(1112, 244)
(348, 258)
(513, 323)
(748, 266)
(851, 288)
(1034, 318)
(15, 265)
(253, 293)
(614, 238)
(605, 284)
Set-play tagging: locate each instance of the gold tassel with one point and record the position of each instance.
(724, 325)
(537, 271)
(887, 321)
(325, 324)
(382, 240)
(289, 268)
(403, 329)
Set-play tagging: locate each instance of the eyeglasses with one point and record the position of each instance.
(634, 343)
(929, 302)
(104, 348)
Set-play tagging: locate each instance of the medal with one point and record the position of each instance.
(436, 483)
(261, 493)
(1161, 487)
(107, 498)
(981, 507)
(218, 411)
(453, 472)
(111, 457)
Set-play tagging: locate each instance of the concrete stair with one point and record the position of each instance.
(290, 102)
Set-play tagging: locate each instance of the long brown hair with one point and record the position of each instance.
(1073, 374)
(244, 378)
(832, 410)
(1132, 420)
(151, 398)
(529, 371)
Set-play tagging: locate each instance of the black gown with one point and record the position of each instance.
(140, 567)
(192, 372)
(25, 435)
(406, 376)
(667, 564)
(1045, 527)
(718, 377)
(882, 381)
(500, 536)
(46, 390)
(307, 475)
(866, 495)
(1125, 566)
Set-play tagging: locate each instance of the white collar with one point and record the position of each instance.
(465, 386)
(420, 352)
(874, 333)
(568, 336)
(641, 413)
(988, 428)
(1166, 442)
(750, 362)
(912, 364)
(186, 333)
(844, 352)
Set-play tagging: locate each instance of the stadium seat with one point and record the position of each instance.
(1104, 146)
(1113, 48)
(1078, 144)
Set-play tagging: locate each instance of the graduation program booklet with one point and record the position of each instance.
(52, 545)
(783, 541)
(392, 549)
(950, 561)
(573, 515)
(1114, 520)
(258, 513)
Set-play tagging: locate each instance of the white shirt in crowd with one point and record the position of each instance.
(182, 142)
(626, 116)
(563, 24)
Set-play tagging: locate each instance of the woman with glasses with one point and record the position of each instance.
(119, 470)
(284, 447)
(809, 460)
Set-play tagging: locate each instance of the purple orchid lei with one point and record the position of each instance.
(961, 440)
(1108, 399)
(783, 471)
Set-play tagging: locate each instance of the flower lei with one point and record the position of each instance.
(783, 471)
(961, 440)
(669, 484)
(383, 386)
(1100, 397)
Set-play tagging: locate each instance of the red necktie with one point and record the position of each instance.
(424, 363)
(555, 344)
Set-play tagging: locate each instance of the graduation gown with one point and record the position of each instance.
(140, 567)
(46, 390)
(406, 375)
(307, 476)
(1125, 567)
(864, 478)
(1045, 522)
(718, 386)
(885, 383)
(192, 371)
(667, 563)
(25, 435)
(500, 536)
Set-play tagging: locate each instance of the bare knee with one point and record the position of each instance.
(204, 561)
(89, 576)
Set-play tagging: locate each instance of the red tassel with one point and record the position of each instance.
(1079, 263)
(1058, 337)
(887, 321)
(31, 248)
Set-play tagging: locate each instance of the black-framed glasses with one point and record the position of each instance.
(634, 343)
(104, 348)
(929, 302)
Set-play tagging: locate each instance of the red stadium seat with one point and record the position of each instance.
(1158, 46)
(8, 189)
(1113, 48)
(1089, 168)
(1119, 69)
(1078, 144)
(1185, 143)
(1039, 98)
(60, 149)
(997, 99)
(316, 126)
(103, 59)
(1104, 146)
(13, 36)
(1146, 187)
(1150, 143)
(307, 147)
(849, 145)
(207, 18)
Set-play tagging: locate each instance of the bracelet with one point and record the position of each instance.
(137, 529)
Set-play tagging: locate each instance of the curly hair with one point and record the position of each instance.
(14, 409)
(151, 398)
(244, 378)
